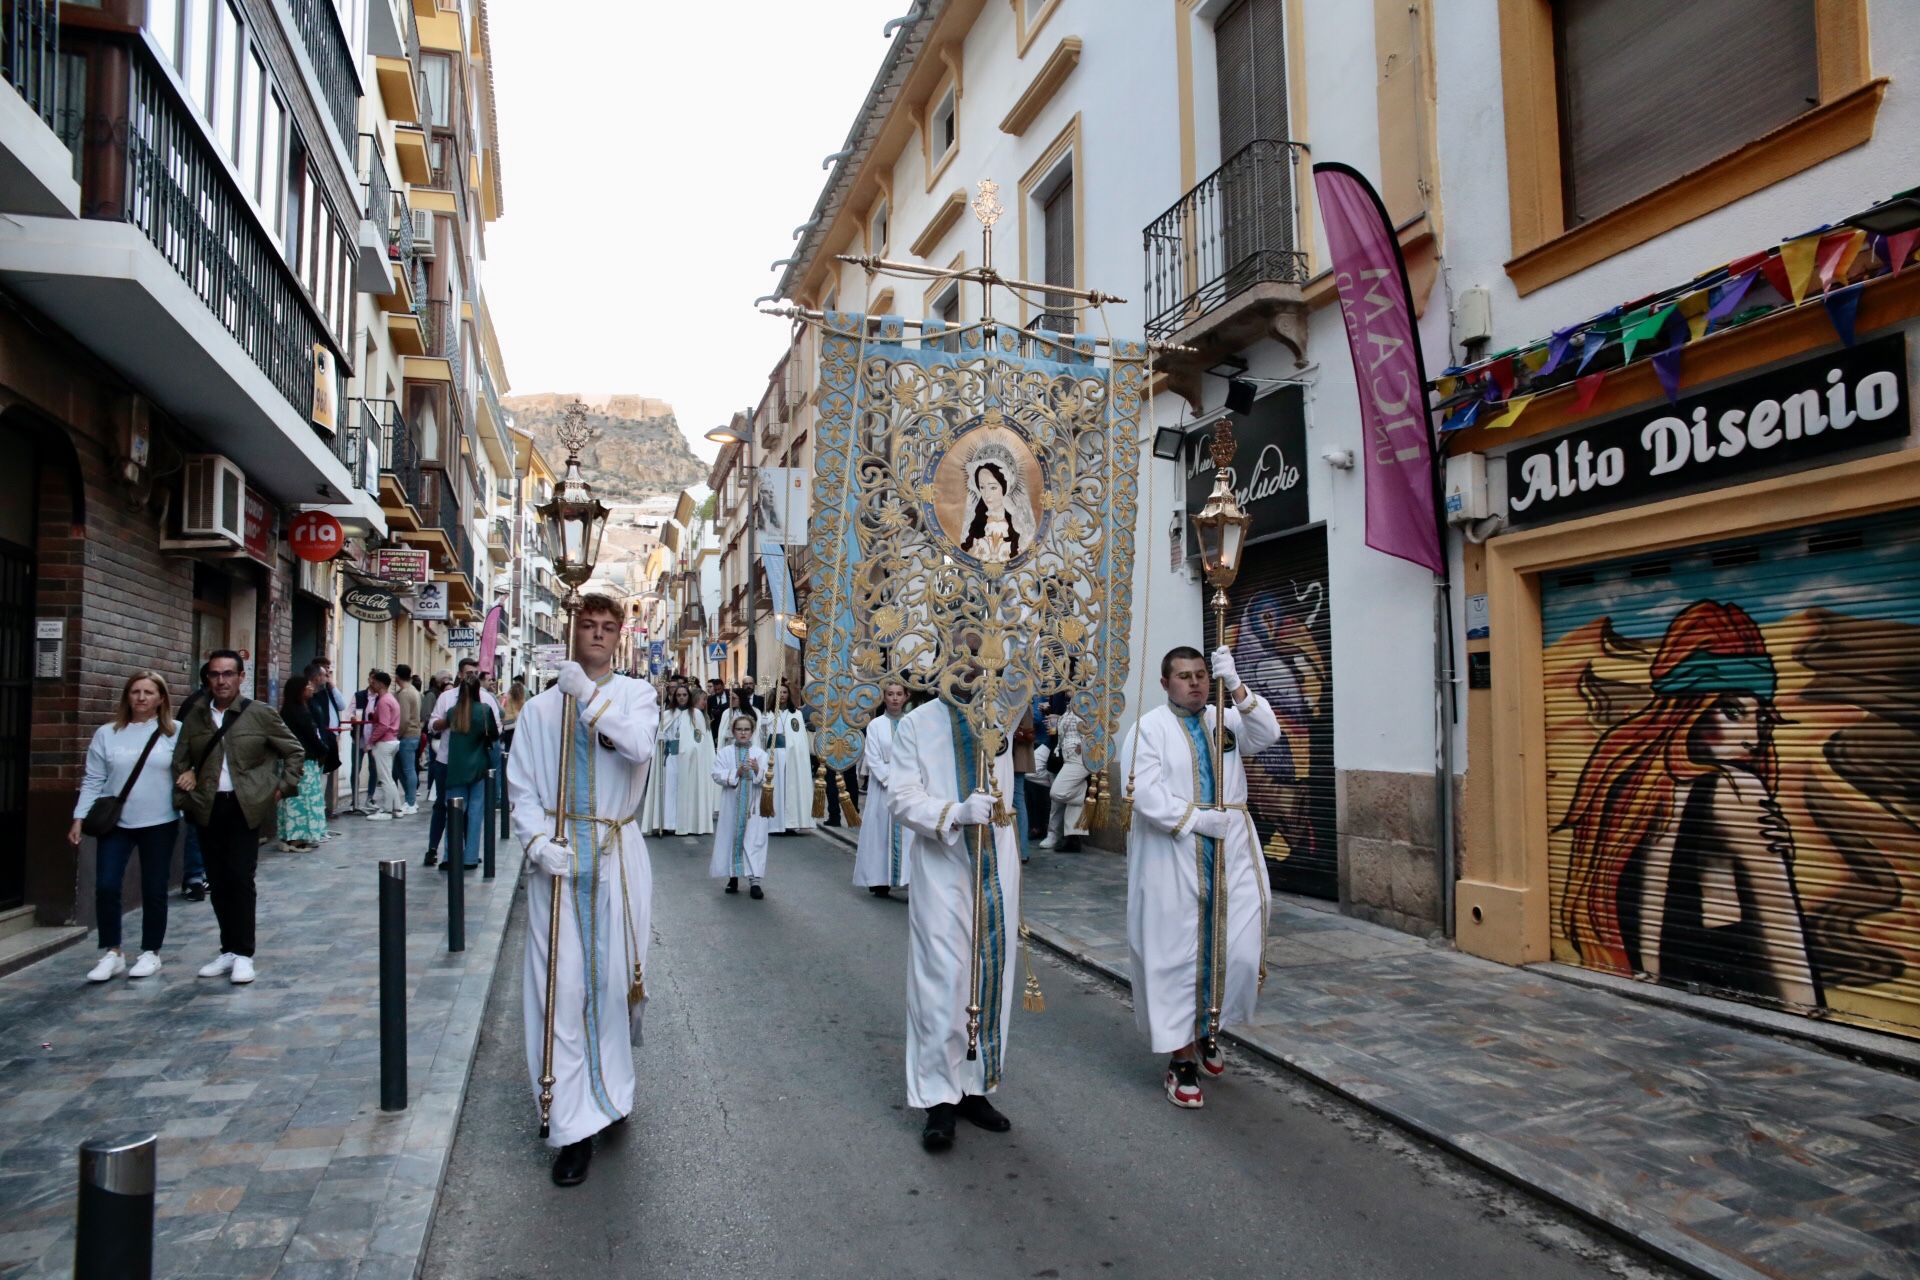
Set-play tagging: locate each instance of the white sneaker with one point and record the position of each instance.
(146, 966)
(1051, 842)
(220, 964)
(242, 971)
(408, 810)
(382, 816)
(111, 965)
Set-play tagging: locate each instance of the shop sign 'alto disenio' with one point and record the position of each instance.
(1802, 413)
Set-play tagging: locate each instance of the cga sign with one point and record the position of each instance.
(316, 536)
(371, 604)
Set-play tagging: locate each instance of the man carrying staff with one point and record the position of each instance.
(603, 873)
(939, 796)
(1196, 922)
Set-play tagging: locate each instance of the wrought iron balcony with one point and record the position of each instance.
(357, 443)
(1233, 232)
(399, 454)
(30, 52)
(441, 510)
(332, 59)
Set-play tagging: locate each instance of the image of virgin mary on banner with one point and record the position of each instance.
(975, 493)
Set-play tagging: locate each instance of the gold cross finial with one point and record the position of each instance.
(986, 205)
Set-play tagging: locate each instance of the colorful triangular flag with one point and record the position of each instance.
(1589, 387)
(1642, 326)
(1837, 252)
(1728, 296)
(1899, 247)
(1843, 306)
(1510, 413)
(1501, 371)
(1557, 350)
(1590, 344)
(1800, 259)
(1694, 307)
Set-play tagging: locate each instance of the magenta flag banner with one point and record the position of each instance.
(1368, 272)
(490, 635)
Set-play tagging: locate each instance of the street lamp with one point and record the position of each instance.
(571, 525)
(744, 438)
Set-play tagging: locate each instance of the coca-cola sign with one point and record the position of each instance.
(371, 604)
(1269, 473)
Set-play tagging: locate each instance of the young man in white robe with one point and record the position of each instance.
(880, 860)
(937, 793)
(601, 870)
(784, 738)
(1175, 885)
(739, 769)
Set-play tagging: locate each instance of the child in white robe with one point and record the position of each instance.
(740, 835)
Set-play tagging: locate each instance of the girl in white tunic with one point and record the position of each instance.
(785, 737)
(661, 816)
(740, 836)
(698, 796)
(880, 862)
(1179, 812)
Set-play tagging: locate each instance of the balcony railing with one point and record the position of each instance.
(357, 444)
(169, 183)
(1231, 232)
(327, 49)
(30, 52)
(399, 453)
(373, 181)
(441, 510)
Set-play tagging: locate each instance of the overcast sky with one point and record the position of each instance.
(657, 158)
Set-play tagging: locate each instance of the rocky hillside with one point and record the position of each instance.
(638, 451)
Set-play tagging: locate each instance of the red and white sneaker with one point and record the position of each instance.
(1212, 1061)
(1183, 1085)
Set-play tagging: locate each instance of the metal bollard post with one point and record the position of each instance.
(500, 798)
(486, 855)
(113, 1227)
(457, 873)
(393, 985)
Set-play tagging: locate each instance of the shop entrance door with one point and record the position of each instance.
(16, 714)
(1733, 768)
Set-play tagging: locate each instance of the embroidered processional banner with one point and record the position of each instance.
(975, 496)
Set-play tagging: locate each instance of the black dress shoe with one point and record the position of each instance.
(194, 891)
(938, 1135)
(880, 891)
(979, 1111)
(754, 891)
(733, 884)
(570, 1166)
(431, 860)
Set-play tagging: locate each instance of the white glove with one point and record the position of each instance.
(550, 855)
(975, 811)
(1223, 669)
(1214, 823)
(575, 683)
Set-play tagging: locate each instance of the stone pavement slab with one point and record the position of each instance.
(275, 1158)
(1728, 1151)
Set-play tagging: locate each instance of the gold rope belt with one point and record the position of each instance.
(637, 987)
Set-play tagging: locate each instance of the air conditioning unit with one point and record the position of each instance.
(213, 499)
(422, 232)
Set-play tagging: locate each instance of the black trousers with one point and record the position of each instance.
(232, 850)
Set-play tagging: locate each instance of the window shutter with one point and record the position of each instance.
(1249, 45)
(1650, 90)
(1058, 211)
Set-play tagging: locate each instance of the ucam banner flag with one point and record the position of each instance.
(1378, 307)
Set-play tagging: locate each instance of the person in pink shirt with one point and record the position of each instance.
(383, 743)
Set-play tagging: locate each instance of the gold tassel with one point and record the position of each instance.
(819, 796)
(637, 989)
(1096, 815)
(767, 807)
(1032, 999)
(849, 811)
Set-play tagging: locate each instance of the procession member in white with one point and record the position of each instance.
(1180, 968)
(937, 793)
(740, 837)
(698, 794)
(1067, 817)
(661, 814)
(784, 737)
(601, 869)
(880, 861)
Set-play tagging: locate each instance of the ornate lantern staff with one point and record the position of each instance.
(1222, 526)
(571, 524)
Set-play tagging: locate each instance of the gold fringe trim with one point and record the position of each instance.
(849, 811)
(819, 796)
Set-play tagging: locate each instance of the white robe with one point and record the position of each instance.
(662, 810)
(1165, 876)
(792, 770)
(881, 857)
(926, 785)
(698, 794)
(606, 905)
(740, 837)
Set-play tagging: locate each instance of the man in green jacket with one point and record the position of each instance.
(234, 760)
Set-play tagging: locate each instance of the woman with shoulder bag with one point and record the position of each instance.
(126, 804)
(303, 816)
(471, 732)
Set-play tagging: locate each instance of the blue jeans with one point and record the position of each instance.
(193, 864)
(475, 794)
(437, 774)
(155, 847)
(1020, 813)
(406, 771)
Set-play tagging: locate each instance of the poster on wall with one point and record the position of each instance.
(259, 527)
(324, 395)
(406, 565)
(780, 505)
(429, 603)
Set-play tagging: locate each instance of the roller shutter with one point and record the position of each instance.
(1733, 768)
(1279, 624)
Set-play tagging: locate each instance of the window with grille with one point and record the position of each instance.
(1057, 221)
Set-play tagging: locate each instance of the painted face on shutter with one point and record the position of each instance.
(1729, 733)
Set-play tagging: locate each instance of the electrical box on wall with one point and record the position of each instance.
(1466, 489)
(1473, 316)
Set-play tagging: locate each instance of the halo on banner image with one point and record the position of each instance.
(986, 493)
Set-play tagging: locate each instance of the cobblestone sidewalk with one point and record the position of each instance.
(1727, 1151)
(275, 1158)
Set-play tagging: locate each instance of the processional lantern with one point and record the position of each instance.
(1222, 523)
(573, 521)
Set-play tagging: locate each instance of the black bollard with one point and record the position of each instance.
(393, 985)
(486, 855)
(457, 873)
(113, 1226)
(500, 798)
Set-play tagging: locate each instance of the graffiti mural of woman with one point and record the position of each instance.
(1682, 862)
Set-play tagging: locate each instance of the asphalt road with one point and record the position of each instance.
(772, 1138)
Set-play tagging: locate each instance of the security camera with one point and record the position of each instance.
(1339, 459)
